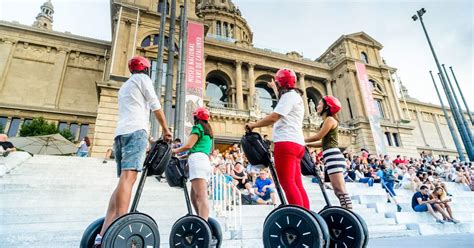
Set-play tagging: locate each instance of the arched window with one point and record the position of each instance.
(363, 57)
(216, 91)
(376, 86)
(266, 97)
(314, 96)
(152, 40)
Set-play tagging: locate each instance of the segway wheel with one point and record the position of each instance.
(292, 226)
(132, 230)
(324, 229)
(364, 227)
(88, 237)
(191, 231)
(216, 231)
(344, 227)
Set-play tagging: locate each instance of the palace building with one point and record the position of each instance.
(73, 80)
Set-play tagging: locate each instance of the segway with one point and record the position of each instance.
(287, 225)
(190, 230)
(346, 228)
(134, 229)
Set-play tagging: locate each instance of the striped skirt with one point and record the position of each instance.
(334, 161)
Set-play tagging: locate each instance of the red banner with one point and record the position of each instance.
(194, 71)
(371, 108)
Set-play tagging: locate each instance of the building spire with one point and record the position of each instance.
(44, 19)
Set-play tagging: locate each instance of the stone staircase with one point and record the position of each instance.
(48, 201)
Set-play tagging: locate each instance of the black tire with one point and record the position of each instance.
(364, 227)
(88, 237)
(136, 229)
(190, 231)
(324, 229)
(216, 231)
(292, 226)
(345, 229)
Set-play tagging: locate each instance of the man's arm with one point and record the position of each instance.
(160, 116)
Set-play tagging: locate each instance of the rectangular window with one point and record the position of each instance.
(73, 128)
(226, 29)
(350, 108)
(396, 139)
(84, 130)
(62, 126)
(380, 108)
(14, 126)
(389, 138)
(3, 123)
(163, 77)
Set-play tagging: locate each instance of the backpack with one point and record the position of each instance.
(176, 172)
(157, 158)
(256, 149)
(307, 165)
(388, 176)
(246, 199)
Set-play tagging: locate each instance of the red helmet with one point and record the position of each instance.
(285, 78)
(138, 63)
(333, 103)
(201, 113)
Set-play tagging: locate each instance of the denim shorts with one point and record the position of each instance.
(265, 197)
(421, 208)
(130, 151)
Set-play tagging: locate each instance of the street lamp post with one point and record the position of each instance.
(462, 96)
(454, 110)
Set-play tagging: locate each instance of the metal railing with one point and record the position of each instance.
(226, 203)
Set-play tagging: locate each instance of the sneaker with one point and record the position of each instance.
(388, 201)
(97, 241)
(448, 194)
(104, 162)
(440, 221)
(454, 221)
(399, 208)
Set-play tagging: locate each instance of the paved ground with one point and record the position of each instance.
(447, 241)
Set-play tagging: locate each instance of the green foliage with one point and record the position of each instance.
(38, 126)
(66, 133)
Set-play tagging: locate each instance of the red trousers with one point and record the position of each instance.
(288, 157)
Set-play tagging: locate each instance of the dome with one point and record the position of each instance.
(48, 4)
(225, 21)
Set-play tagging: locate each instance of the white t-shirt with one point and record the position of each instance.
(135, 99)
(290, 126)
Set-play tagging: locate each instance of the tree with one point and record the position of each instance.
(38, 126)
(1, 128)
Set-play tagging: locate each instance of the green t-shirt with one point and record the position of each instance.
(204, 143)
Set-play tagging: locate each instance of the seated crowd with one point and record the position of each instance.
(424, 176)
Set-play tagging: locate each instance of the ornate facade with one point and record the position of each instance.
(76, 79)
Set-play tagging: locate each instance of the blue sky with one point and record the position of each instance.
(310, 27)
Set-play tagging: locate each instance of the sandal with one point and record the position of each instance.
(345, 200)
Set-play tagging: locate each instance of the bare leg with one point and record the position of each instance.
(273, 197)
(120, 199)
(432, 212)
(337, 182)
(448, 209)
(201, 201)
(442, 212)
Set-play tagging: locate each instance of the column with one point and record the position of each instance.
(328, 87)
(302, 86)
(419, 118)
(57, 78)
(251, 84)
(6, 55)
(238, 84)
(391, 92)
(438, 129)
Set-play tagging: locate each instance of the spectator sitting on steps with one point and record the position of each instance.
(5, 146)
(264, 189)
(421, 203)
(440, 196)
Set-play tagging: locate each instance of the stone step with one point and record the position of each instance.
(443, 229)
(414, 217)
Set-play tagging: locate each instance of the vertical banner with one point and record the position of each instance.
(371, 108)
(194, 72)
